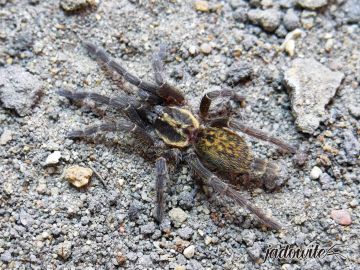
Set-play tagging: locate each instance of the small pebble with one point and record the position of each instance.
(354, 203)
(289, 43)
(148, 228)
(38, 47)
(78, 176)
(185, 233)
(268, 19)
(6, 136)
(341, 217)
(192, 50)
(290, 47)
(121, 259)
(202, 6)
(312, 4)
(291, 20)
(180, 267)
(315, 173)
(189, 251)
(329, 45)
(77, 5)
(6, 256)
(53, 158)
(177, 216)
(64, 249)
(354, 110)
(208, 240)
(205, 48)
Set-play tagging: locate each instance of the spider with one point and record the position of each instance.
(206, 139)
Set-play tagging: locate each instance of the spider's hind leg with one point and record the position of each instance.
(256, 133)
(224, 189)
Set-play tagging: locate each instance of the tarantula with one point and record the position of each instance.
(208, 140)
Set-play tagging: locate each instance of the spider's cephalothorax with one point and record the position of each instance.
(176, 126)
(208, 140)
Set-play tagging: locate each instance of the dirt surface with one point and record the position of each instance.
(46, 223)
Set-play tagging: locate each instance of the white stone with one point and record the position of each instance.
(189, 251)
(315, 173)
(177, 216)
(53, 158)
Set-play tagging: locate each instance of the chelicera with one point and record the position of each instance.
(204, 139)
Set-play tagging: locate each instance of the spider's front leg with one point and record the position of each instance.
(124, 104)
(162, 89)
(224, 189)
(210, 96)
(100, 54)
(158, 64)
(121, 125)
(170, 94)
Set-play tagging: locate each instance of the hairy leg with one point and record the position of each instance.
(100, 54)
(224, 189)
(125, 104)
(168, 93)
(158, 64)
(116, 102)
(209, 97)
(121, 125)
(162, 177)
(262, 136)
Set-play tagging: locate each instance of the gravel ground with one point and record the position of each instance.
(46, 223)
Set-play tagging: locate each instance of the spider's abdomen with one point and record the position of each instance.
(228, 152)
(224, 149)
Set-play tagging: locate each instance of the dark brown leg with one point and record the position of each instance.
(121, 125)
(168, 93)
(262, 136)
(225, 189)
(116, 102)
(162, 177)
(209, 97)
(125, 104)
(100, 54)
(230, 123)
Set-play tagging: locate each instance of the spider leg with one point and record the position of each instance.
(100, 54)
(116, 102)
(210, 96)
(125, 104)
(162, 177)
(121, 125)
(224, 189)
(158, 64)
(168, 93)
(259, 134)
